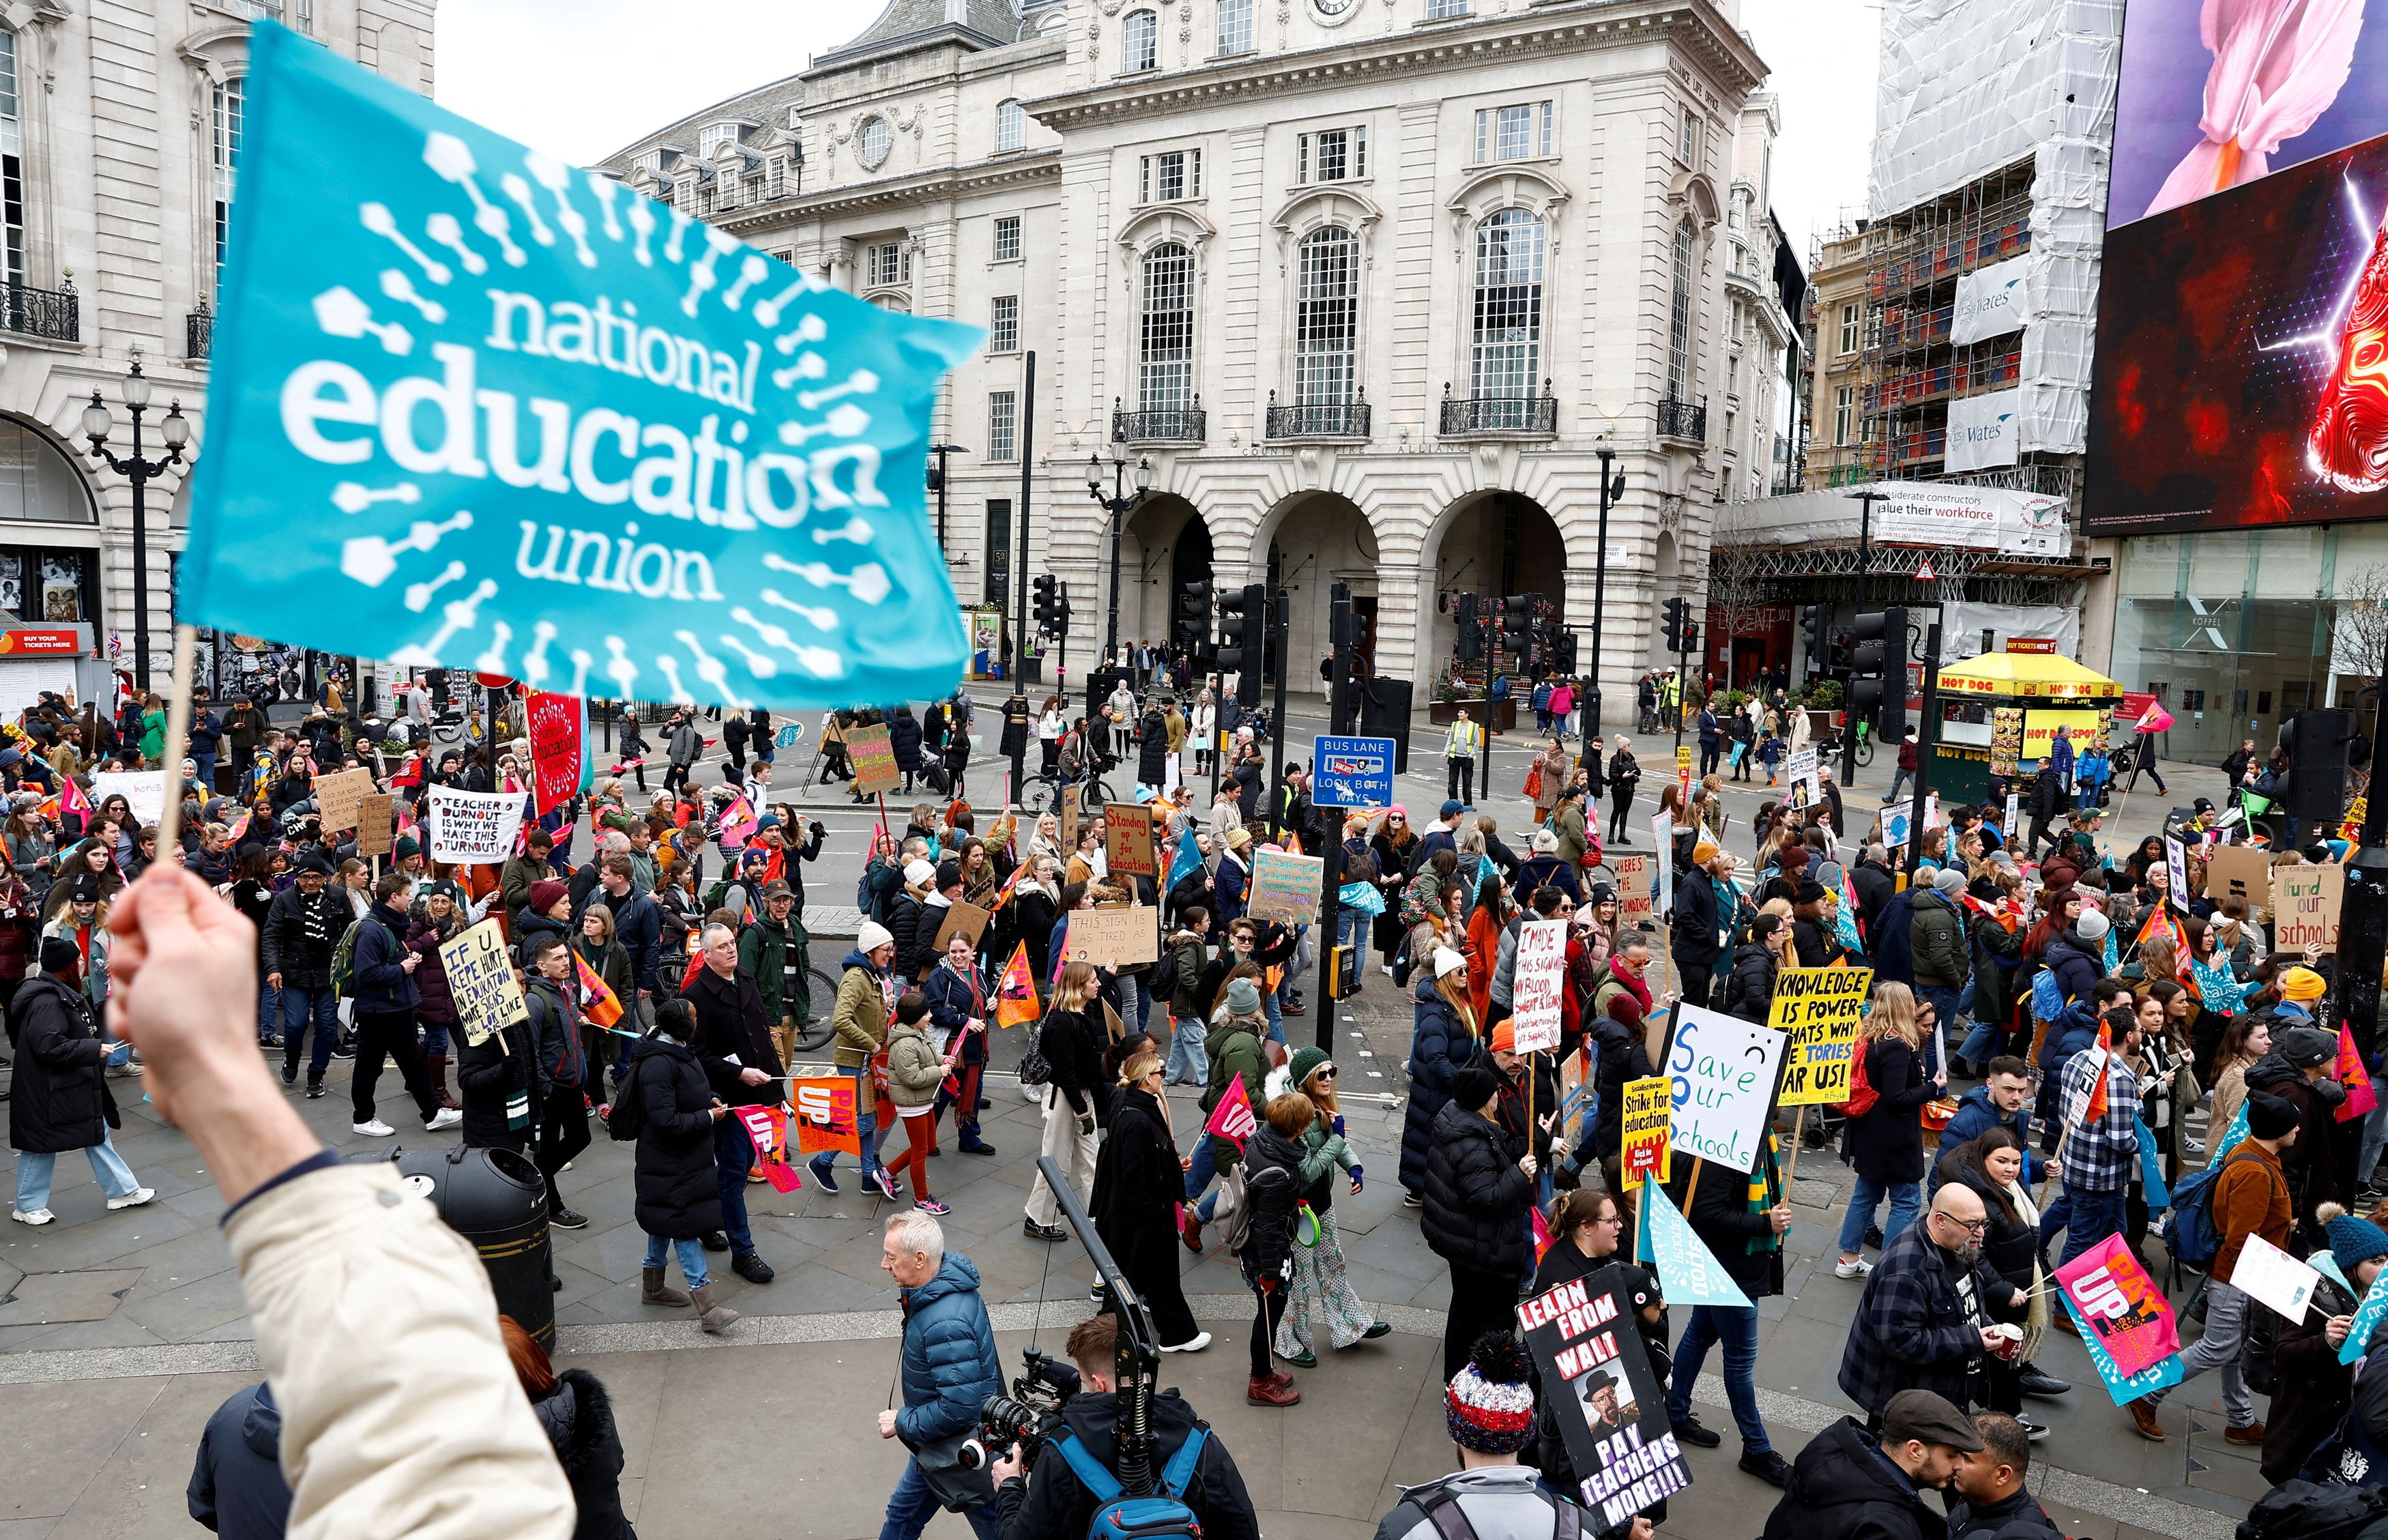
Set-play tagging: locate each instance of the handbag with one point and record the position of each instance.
(1534, 782)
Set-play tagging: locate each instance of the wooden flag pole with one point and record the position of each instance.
(178, 733)
(1799, 1126)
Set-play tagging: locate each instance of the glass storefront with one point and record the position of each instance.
(2236, 630)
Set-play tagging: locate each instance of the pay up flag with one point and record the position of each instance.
(475, 409)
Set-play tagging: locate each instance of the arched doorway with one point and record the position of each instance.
(1164, 545)
(1493, 545)
(1316, 539)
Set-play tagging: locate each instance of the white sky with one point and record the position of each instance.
(583, 88)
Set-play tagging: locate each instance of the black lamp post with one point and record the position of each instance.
(1612, 488)
(937, 483)
(1119, 504)
(175, 429)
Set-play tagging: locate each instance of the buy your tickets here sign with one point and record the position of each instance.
(1819, 1009)
(1611, 1410)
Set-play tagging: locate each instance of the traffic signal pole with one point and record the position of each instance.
(1340, 639)
(1018, 706)
(1280, 622)
(1926, 736)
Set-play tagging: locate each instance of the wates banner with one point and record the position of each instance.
(473, 408)
(559, 735)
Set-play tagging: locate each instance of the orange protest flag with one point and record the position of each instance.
(1015, 994)
(598, 1001)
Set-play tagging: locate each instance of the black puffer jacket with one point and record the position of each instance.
(61, 1100)
(676, 1196)
(1273, 1187)
(1620, 1054)
(1441, 1046)
(578, 1418)
(904, 738)
(1749, 988)
(1475, 1197)
(1152, 749)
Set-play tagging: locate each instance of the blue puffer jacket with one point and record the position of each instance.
(950, 1361)
(2070, 1033)
(1440, 1047)
(1974, 1117)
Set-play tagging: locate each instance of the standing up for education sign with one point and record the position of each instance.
(473, 408)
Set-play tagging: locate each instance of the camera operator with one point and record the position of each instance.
(949, 1367)
(1054, 1503)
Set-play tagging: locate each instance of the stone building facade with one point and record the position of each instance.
(1369, 283)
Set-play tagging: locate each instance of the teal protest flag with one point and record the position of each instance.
(2123, 1388)
(473, 408)
(1688, 1272)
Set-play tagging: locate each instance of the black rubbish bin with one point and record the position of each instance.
(497, 1200)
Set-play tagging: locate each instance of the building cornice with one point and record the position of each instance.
(1555, 26)
(1006, 170)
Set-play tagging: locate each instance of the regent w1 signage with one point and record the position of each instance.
(477, 409)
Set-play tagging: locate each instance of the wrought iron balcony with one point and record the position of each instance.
(1319, 419)
(1682, 420)
(54, 313)
(1519, 416)
(1183, 424)
(198, 330)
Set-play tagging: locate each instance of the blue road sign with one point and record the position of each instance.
(1351, 772)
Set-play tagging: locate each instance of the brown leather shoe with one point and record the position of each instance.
(2063, 1321)
(2144, 1417)
(2252, 1434)
(1265, 1392)
(1191, 1230)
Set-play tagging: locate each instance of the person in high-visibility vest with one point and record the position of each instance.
(1460, 747)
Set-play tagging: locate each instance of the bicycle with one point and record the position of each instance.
(815, 1035)
(1043, 789)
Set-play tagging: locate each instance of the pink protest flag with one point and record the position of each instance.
(738, 823)
(72, 801)
(2114, 1295)
(1232, 1118)
(2350, 1073)
(2157, 718)
(1542, 1237)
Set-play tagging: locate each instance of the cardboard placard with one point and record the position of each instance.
(1723, 1072)
(1119, 935)
(1068, 802)
(2306, 903)
(481, 981)
(1540, 977)
(339, 798)
(964, 917)
(144, 792)
(1634, 903)
(1644, 1118)
(375, 820)
(1611, 1408)
(873, 758)
(1819, 1009)
(2243, 872)
(1127, 841)
(472, 828)
(1284, 887)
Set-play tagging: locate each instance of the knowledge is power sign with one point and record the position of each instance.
(475, 408)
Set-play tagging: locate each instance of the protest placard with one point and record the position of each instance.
(1819, 1009)
(1662, 840)
(481, 981)
(339, 798)
(143, 791)
(767, 1128)
(825, 1114)
(472, 828)
(2306, 902)
(1068, 805)
(965, 917)
(373, 826)
(1722, 1073)
(1284, 886)
(1801, 771)
(1611, 1410)
(1688, 1272)
(1646, 1116)
(2243, 872)
(1111, 936)
(1895, 822)
(2267, 1273)
(2111, 1294)
(1127, 841)
(873, 758)
(2177, 870)
(558, 729)
(2123, 1388)
(1539, 979)
(1632, 890)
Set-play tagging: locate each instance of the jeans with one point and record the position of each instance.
(299, 1007)
(691, 1258)
(1987, 1040)
(733, 1153)
(1198, 1176)
(1352, 930)
(206, 766)
(912, 1505)
(1460, 777)
(1186, 1049)
(1906, 1202)
(1274, 1012)
(2226, 1335)
(1136, 995)
(866, 1121)
(2375, 1134)
(269, 1012)
(34, 1170)
(1738, 1329)
(2092, 1217)
(1898, 779)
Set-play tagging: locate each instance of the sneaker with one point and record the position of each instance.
(1698, 1434)
(2032, 1430)
(1767, 1466)
(822, 1174)
(37, 1216)
(269, 1043)
(750, 1266)
(1035, 1232)
(1194, 1344)
(315, 1090)
(290, 1075)
(344, 1050)
(978, 1148)
(1291, 1011)
(448, 1118)
(2196, 1146)
(931, 1206)
(2034, 1381)
(133, 1199)
(2143, 1420)
(1858, 1269)
(373, 1128)
(887, 1186)
(564, 1218)
(715, 1240)
(1411, 1199)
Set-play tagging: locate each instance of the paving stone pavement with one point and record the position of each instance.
(121, 1331)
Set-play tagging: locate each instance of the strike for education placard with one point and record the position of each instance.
(1610, 1408)
(472, 828)
(1540, 977)
(481, 981)
(1819, 1009)
(1646, 1118)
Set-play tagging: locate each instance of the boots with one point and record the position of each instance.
(715, 1319)
(437, 1065)
(652, 1289)
(1266, 1391)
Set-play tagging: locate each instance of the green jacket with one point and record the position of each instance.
(1569, 828)
(516, 877)
(1936, 936)
(914, 1069)
(860, 1020)
(1234, 1047)
(763, 952)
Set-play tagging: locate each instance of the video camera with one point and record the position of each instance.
(1023, 1418)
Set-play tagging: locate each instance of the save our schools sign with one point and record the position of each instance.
(475, 408)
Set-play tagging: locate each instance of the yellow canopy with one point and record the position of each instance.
(2027, 676)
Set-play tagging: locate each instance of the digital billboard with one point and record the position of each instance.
(2242, 374)
(2216, 94)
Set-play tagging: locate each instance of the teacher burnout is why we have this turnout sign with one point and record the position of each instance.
(475, 408)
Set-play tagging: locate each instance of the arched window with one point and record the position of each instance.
(1165, 357)
(12, 162)
(1235, 27)
(1140, 44)
(1010, 125)
(40, 484)
(224, 152)
(1506, 358)
(1679, 318)
(871, 144)
(1326, 319)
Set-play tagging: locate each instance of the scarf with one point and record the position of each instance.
(1638, 987)
(1762, 1194)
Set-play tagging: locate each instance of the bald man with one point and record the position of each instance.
(1927, 1319)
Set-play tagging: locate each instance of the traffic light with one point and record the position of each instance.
(1059, 625)
(1043, 606)
(1688, 643)
(1877, 662)
(1242, 613)
(1677, 614)
(1816, 625)
(1193, 622)
(1471, 630)
(1516, 625)
(1563, 652)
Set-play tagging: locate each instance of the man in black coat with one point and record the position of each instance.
(303, 925)
(385, 999)
(556, 1037)
(1850, 1484)
(732, 1025)
(1996, 1504)
(1700, 924)
(60, 1101)
(237, 1485)
(1875, 886)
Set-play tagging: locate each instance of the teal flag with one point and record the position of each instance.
(1688, 1272)
(475, 408)
(2123, 1388)
(2366, 1314)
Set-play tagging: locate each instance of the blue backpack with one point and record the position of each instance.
(1162, 1516)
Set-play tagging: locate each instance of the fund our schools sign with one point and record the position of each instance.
(475, 408)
